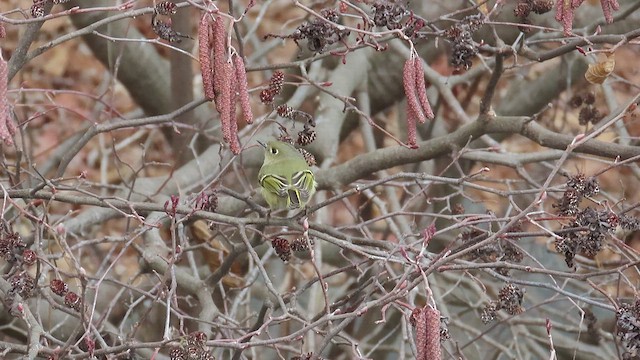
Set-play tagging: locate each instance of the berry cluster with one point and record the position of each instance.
(509, 299)
(464, 48)
(193, 347)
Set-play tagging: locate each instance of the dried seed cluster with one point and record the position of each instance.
(300, 244)
(275, 87)
(161, 22)
(587, 235)
(391, 15)
(38, 7)
(21, 284)
(460, 34)
(192, 347)
(71, 299)
(500, 250)
(628, 329)
(207, 200)
(526, 7)
(578, 187)
(308, 157)
(509, 299)
(11, 245)
(588, 112)
(282, 248)
(305, 136)
(320, 33)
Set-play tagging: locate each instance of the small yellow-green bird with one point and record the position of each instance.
(286, 179)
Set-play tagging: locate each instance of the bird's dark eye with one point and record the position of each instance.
(274, 151)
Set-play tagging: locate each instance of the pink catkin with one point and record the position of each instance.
(3, 31)
(5, 121)
(243, 89)
(564, 15)
(223, 101)
(421, 89)
(204, 54)
(565, 12)
(428, 334)
(219, 61)
(607, 7)
(234, 144)
(413, 106)
(412, 137)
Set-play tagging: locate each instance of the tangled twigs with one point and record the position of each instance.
(418, 107)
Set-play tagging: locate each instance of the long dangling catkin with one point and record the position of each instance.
(413, 106)
(421, 88)
(234, 144)
(409, 83)
(243, 89)
(428, 334)
(219, 61)
(412, 136)
(5, 121)
(3, 31)
(204, 54)
(223, 101)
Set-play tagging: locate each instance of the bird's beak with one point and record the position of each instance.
(262, 144)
